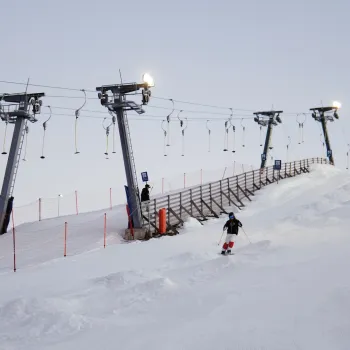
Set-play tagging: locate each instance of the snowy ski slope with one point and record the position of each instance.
(289, 289)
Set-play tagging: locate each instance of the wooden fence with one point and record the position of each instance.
(211, 199)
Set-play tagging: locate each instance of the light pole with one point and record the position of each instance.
(58, 203)
(320, 115)
(114, 98)
(269, 119)
(17, 109)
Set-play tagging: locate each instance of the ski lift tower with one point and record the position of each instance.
(117, 104)
(269, 119)
(16, 110)
(319, 114)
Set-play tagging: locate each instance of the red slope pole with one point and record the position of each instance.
(130, 221)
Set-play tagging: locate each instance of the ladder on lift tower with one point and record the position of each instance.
(132, 159)
(18, 157)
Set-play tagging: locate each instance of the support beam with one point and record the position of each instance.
(264, 156)
(199, 211)
(134, 198)
(188, 212)
(327, 141)
(150, 222)
(230, 200)
(118, 105)
(320, 115)
(18, 115)
(241, 189)
(250, 192)
(218, 205)
(210, 209)
(177, 216)
(238, 200)
(269, 119)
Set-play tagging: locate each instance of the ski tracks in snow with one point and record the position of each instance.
(36, 321)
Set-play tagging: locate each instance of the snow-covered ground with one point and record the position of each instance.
(289, 289)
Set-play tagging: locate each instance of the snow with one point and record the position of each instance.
(287, 290)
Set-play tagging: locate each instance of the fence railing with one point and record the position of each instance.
(211, 199)
(97, 198)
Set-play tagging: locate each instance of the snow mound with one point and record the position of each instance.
(287, 289)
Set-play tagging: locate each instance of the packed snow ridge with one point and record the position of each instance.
(289, 289)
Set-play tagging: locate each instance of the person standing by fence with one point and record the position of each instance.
(145, 194)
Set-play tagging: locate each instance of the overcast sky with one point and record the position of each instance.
(252, 55)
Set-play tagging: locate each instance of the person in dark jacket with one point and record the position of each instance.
(145, 193)
(232, 226)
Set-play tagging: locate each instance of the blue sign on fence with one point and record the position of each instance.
(278, 165)
(329, 153)
(263, 156)
(144, 176)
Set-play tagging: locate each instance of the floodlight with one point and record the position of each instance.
(148, 79)
(336, 104)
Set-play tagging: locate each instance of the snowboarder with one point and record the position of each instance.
(145, 193)
(232, 229)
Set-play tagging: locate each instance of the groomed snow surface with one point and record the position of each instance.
(289, 289)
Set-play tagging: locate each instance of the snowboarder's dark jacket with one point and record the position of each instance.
(145, 195)
(232, 226)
